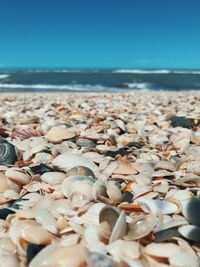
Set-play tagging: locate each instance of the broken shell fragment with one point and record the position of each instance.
(8, 153)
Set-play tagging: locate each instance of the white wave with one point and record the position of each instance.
(155, 71)
(139, 86)
(3, 76)
(143, 71)
(73, 87)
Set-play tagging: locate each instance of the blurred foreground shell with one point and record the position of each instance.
(8, 153)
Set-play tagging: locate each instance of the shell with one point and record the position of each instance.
(141, 227)
(44, 217)
(18, 176)
(57, 134)
(53, 178)
(165, 165)
(116, 220)
(83, 142)
(121, 248)
(73, 256)
(190, 232)
(124, 167)
(164, 250)
(80, 170)
(6, 184)
(92, 214)
(157, 206)
(67, 161)
(194, 167)
(114, 192)
(41, 258)
(78, 184)
(189, 209)
(8, 153)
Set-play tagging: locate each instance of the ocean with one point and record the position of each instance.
(121, 80)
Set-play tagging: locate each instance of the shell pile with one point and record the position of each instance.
(100, 180)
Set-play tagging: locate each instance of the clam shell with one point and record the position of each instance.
(53, 178)
(67, 161)
(164, 250)
(92, 214)
(8, 153)
(141, 227)
(121, 248)
(18, 176)
(73, 256)
(6, 184)
(78, 184)
(124, 167)
(157, 206)
(57, 134)
(44, 217)
(117, 221)
(114, 192)
(81, 170)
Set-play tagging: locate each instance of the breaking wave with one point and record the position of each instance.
(69, 87)
(3, 76)
(155, 71)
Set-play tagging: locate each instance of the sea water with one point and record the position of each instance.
(121, 80)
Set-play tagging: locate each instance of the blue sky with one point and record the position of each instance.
(100, 33)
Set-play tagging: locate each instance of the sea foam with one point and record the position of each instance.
(136, 71)
(3, 76)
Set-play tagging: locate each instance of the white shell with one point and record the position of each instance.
(78, 184)
(67, 160)
(53, 178)
(18, 176)
(44, 217)
(157, 206)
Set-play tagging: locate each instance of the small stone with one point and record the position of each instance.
(182, 122)
(127, 196)
(40, 169)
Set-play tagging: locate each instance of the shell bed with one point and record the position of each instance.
(100, 180)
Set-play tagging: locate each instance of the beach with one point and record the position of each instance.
(100, 179)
